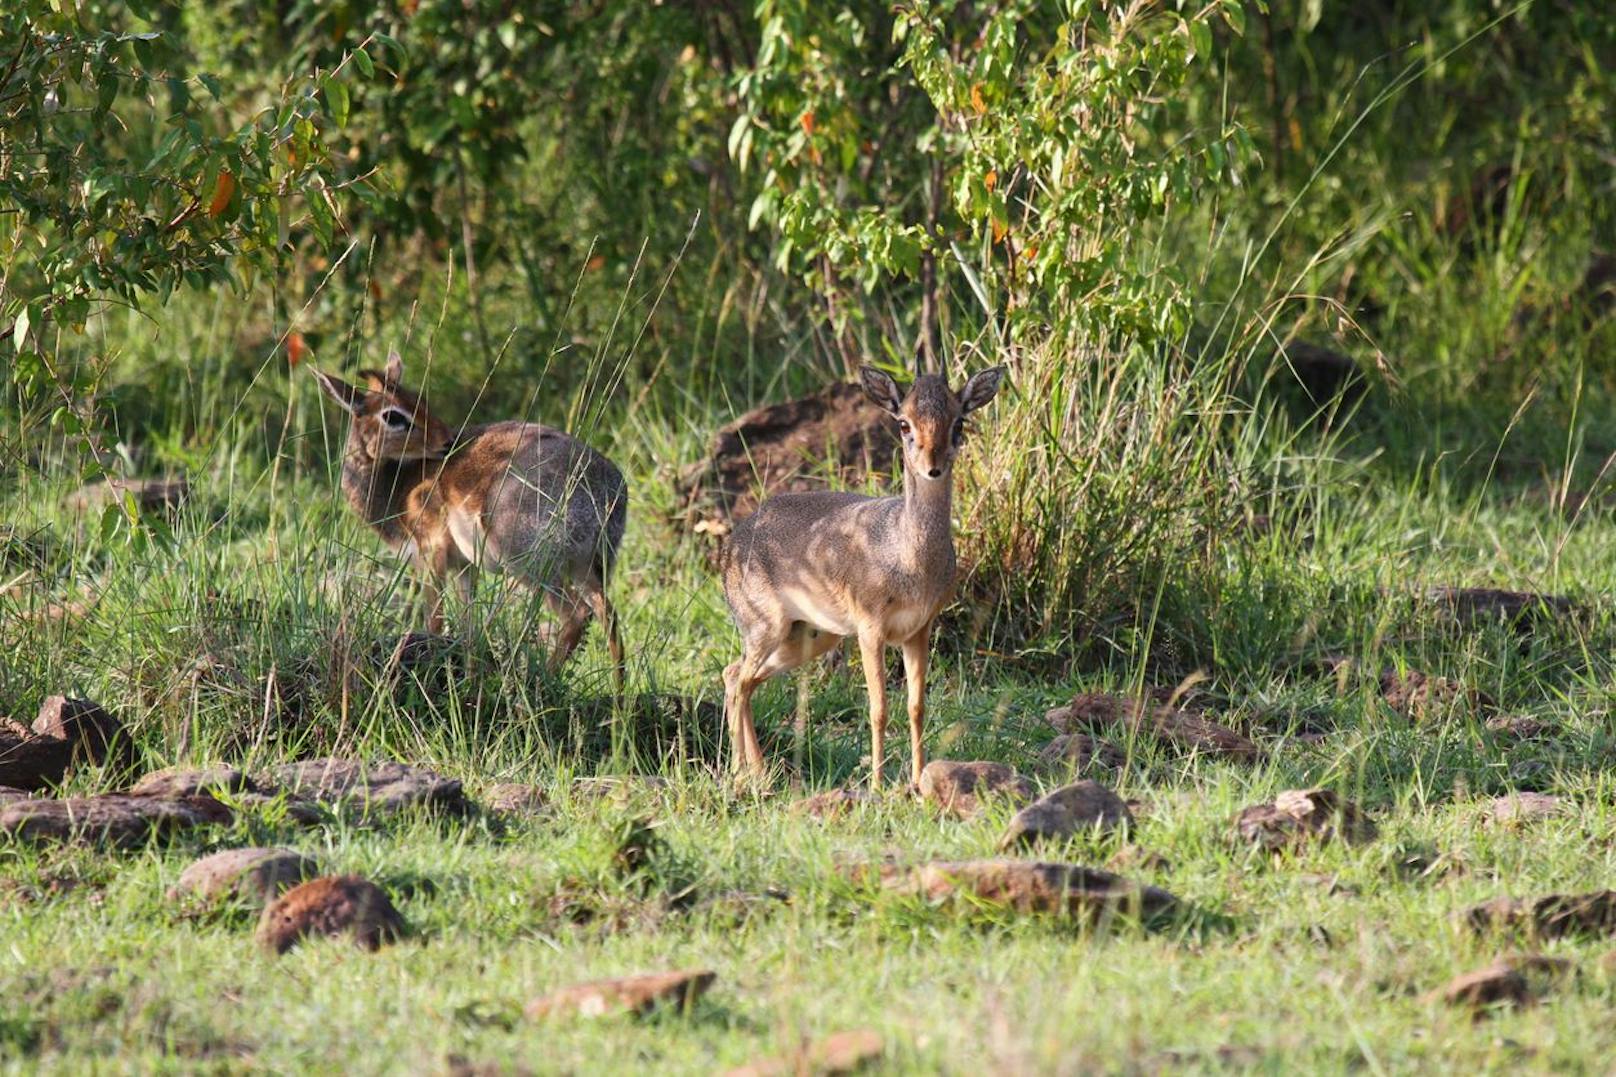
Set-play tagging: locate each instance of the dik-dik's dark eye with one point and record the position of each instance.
(395, 419)
(903, 427)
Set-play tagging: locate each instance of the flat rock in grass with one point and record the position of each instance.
(839, 1053)
(1518, 808)
(114, 820)
(963, 789)
(381, 788)
(95, 735)
(1517, 727)
(1299, 816)
(1024, 886)
(517, 798)
(619, 787)
(1071, 809)
(1183, 729)
(332, 906)
(255, 875)
(1551, 917)
(1523, 610)
(629, 994)
(832, 803)
(1421, 696)
(29, 762)
(1509, 980)
(150, 495)
(191, 782)
(1080, 752)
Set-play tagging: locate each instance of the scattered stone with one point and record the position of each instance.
(836, 1054)
(1022, 885)
(1183, 729)
(383, 788)
(1323, 374)
(150, 495)
(1071, 809)
(630, 994)
(1420, 696)
(1518, 808)
(1550, 917)
(1299, 816)
(1517, 727)
(516, 798)
(182, 782)
(255, 876)
(1079, 752)
(1522, 610)
(619, 788)
(115, 819)
(961, 789)
(1507, 981)
(833, 437)
(96, 736)
(832, 803)
(29, 762)
(332, 906)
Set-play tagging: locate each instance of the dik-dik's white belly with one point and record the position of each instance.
(899, 617)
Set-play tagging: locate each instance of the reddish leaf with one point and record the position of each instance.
(296, 348)
(223, 188)
(807, 122)
(977, 102)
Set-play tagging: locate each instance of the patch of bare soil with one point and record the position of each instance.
(1184, 729)
(1021, 886)
(835, 435)
(626, 995)
(963, 790)
(1550, 917)
(1298, 817)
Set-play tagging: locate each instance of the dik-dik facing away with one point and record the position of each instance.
(511, 497)
(807, 570)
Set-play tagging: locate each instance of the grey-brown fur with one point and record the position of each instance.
(511, 497)
(808, 570)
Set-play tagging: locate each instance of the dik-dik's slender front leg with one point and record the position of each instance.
(916, 657)
(873, 650)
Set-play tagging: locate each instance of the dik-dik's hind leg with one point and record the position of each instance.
(916, 657)
(573, 613)
(607, 616)
(740, 681)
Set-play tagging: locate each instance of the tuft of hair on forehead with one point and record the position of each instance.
(930, 398)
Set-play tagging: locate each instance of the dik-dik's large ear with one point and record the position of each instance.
(979, 391)
(340, 391)
(394, 370)
(880, 388)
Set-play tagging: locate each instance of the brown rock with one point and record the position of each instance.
(1517, 727)
(331, 906)
(1183, 729)
(515, 798)
(150, 495)
(29, 762)
(383, 788)
(255, 875)
(1080, 752)
(96, 736)
(1523, 610)
(832, 803)
(1026, 887)
(1509, 980)
(181, 782)
(834, 436)
(1071, 809)
(115, 819)
(1550, 917)
(1518, 808)
(836, 1054)
(630, 994)
(1422, 696)
(962, 789)
(1299, 816)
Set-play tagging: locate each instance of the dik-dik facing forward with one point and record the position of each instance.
(807, 570)
(511, 497)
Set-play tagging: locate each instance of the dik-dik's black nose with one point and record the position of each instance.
(936, 472)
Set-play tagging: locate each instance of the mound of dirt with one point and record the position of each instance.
(835, 435)
(331, 906)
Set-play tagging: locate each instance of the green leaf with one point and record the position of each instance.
(336, 99)
(1235, 15)
(1200, 37)
(362, 60)
(19, 329)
